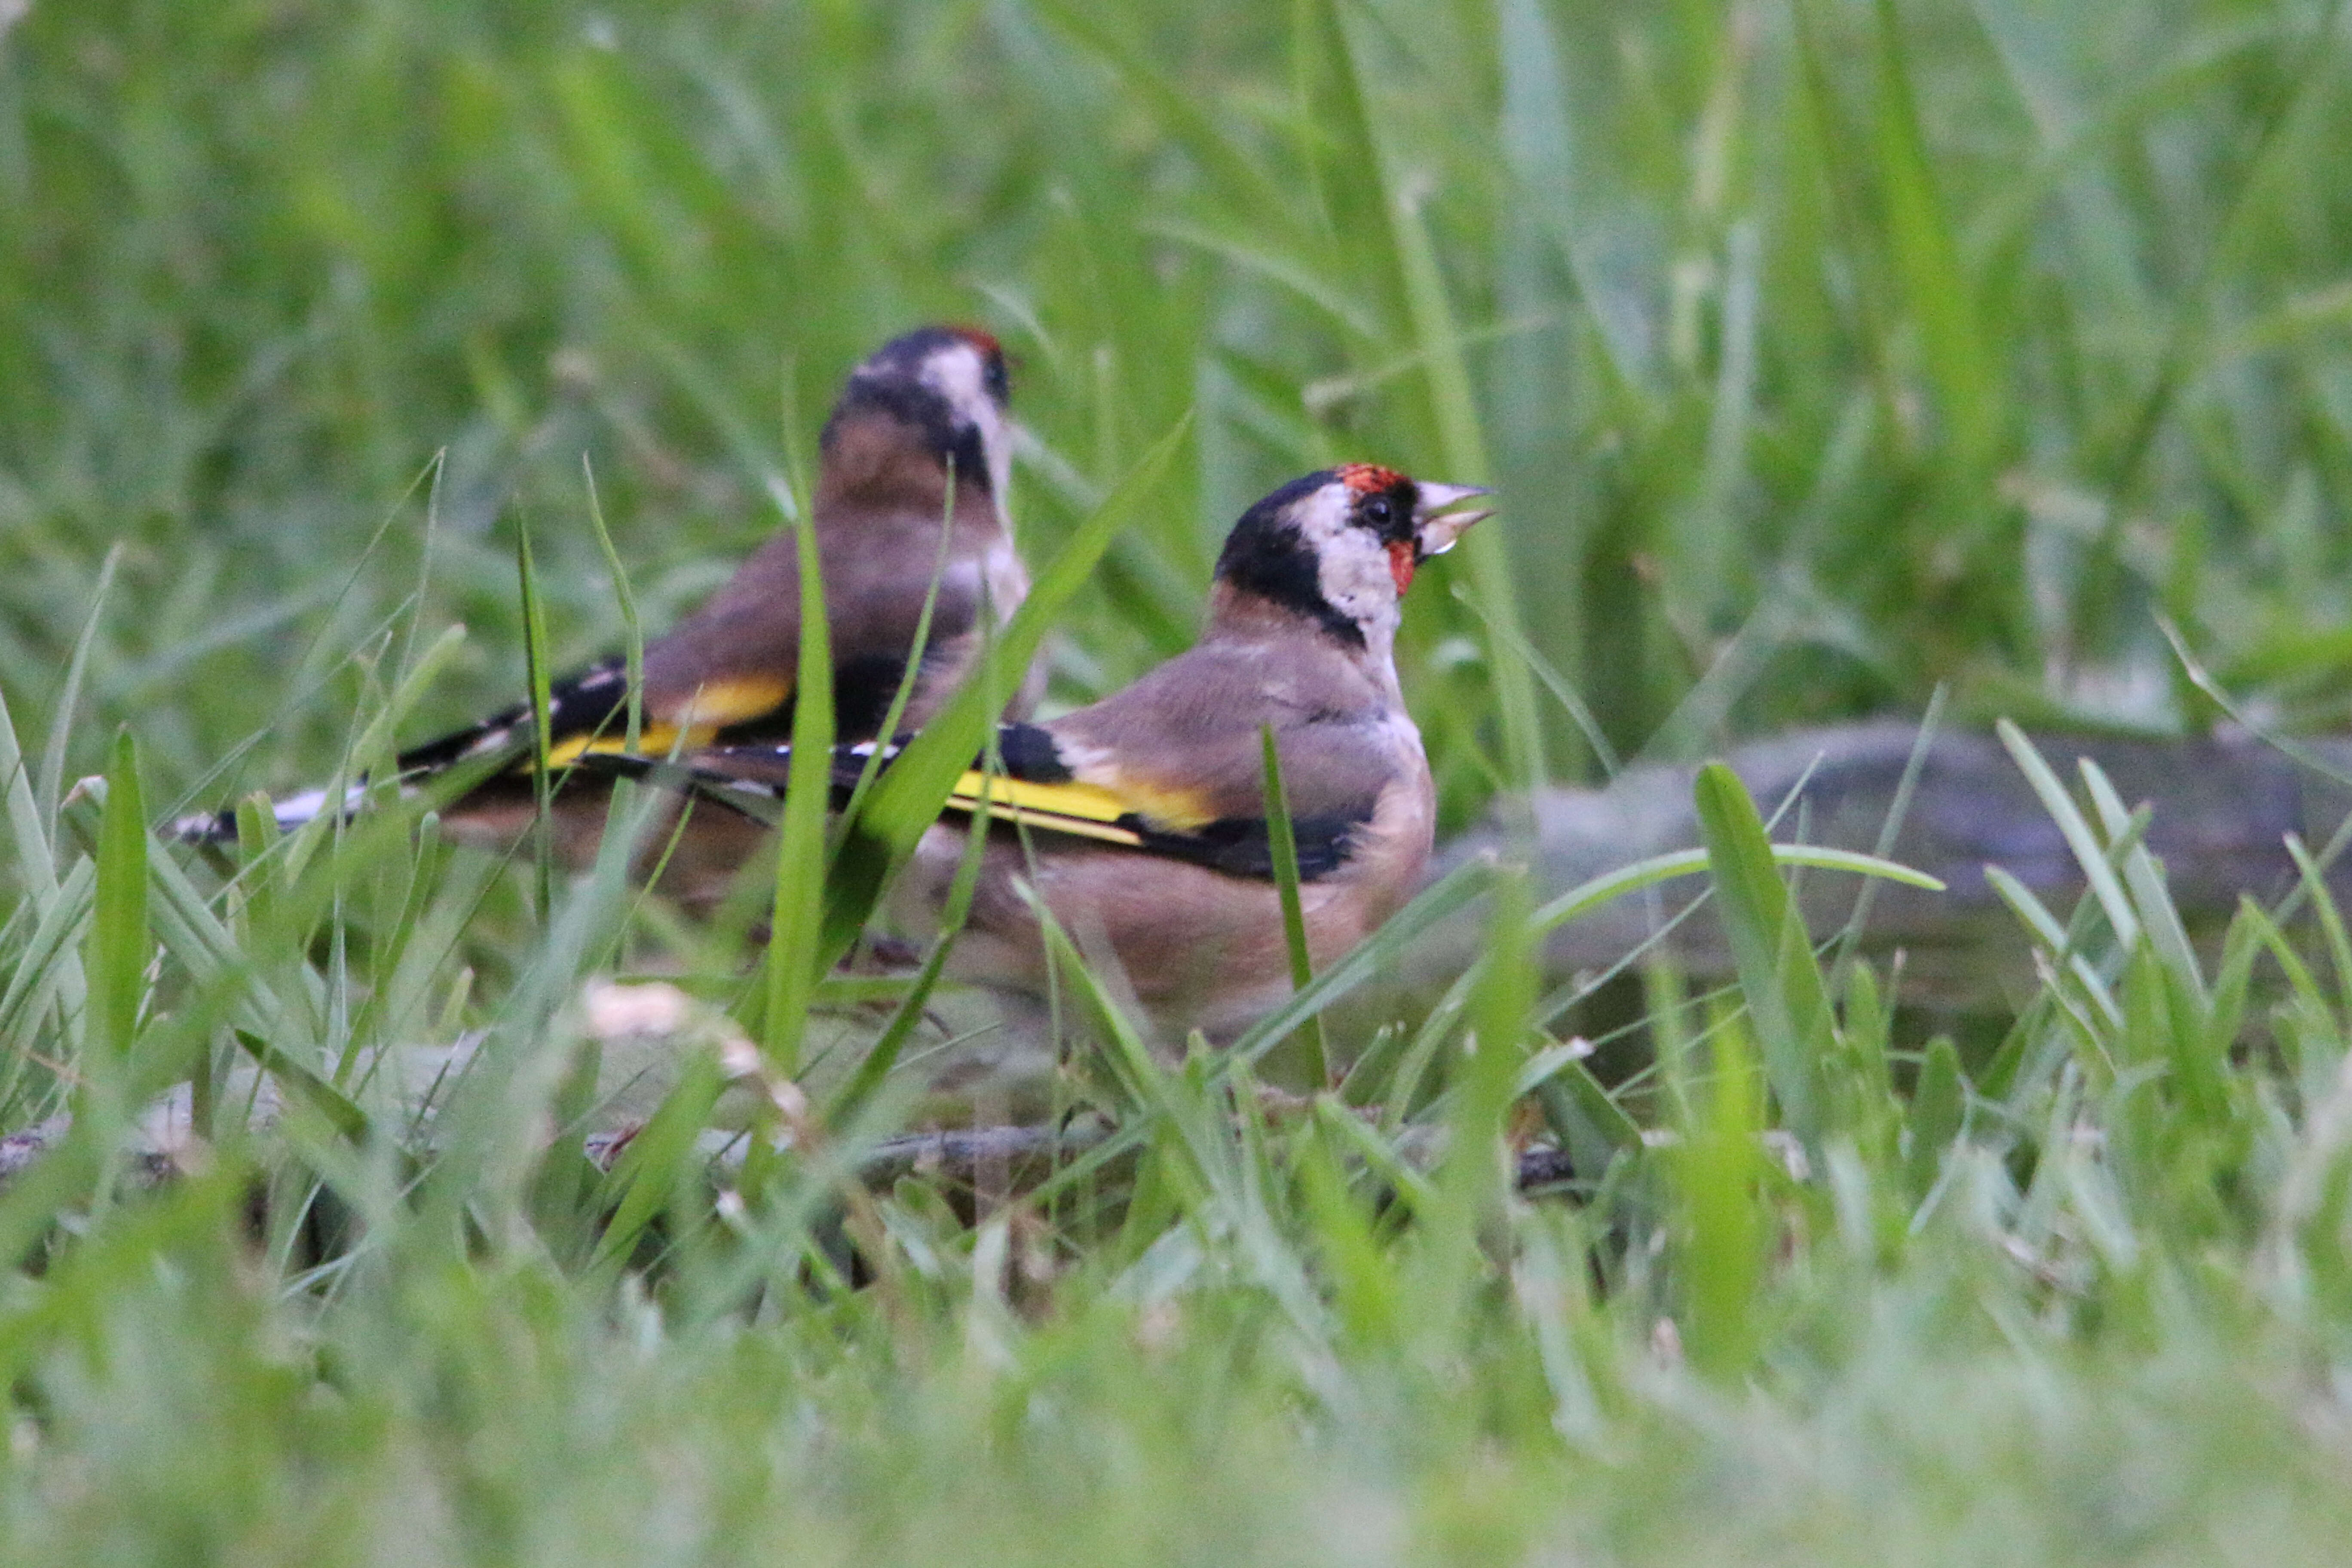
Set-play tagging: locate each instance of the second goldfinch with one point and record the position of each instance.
(1145, 811)
(918, 440)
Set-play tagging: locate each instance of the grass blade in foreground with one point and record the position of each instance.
(28, 834)
(798, 912)
(1724, 1220)
(906, 798)
(1283, 841)
(1777, 971)
(534, 648)
(115, 955)
(114, 958)
(1436, 903)
(68, 697)
(1472, 1187)
(1589, 896)
(633, 633)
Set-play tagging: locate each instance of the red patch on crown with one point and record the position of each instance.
(980, 339)
(1365, 479)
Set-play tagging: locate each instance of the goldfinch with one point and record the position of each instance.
(1145, 812)
(920, 440)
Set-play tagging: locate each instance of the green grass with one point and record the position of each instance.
(1824, 355)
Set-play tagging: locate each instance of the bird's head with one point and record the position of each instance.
(1339, 547)
(946, 389)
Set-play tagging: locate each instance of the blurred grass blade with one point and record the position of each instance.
(116, 951)
(1383, 950)
(1147, 1084)
(341, 1111)
(1589, 896)
(1593, 1126)
(1778, 973)
(48, 963)
(1942, 296)
(1890, 828)
(659, 1162)
(874, 1069)
(29, 825)
(1283, 842)
(51, 787)
(796, 956)
(1937, 1106)
(2089, 853)
(1379, 953)
(1462, 447)
(2144, 880)
(906, 799)
(632, 630)
(1380, 1156)
(367, 835)
(2057, 940)
(1725, 1220)
(1571, 702)
(917, 645)
(2331, 923)
(30, 830)
(537, 677)
(1180, 111)
(1300, 277)
(374, 743)
(1474, 1182)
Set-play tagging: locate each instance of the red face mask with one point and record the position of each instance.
(1401, 565)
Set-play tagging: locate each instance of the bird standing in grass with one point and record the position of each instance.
(1145, 818)
(915, 458)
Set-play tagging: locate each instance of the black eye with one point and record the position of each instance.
(1379, 511)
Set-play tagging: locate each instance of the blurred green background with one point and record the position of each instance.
(1825, 354)
(1822, 351)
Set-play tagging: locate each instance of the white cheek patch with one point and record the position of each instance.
(1351, 565)
(958, 375)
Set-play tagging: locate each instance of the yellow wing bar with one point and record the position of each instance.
(656, 740)
(714, 706)
(1084, 810)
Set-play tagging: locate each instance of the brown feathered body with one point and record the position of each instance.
(908, 513)
(1198, 947)
(881, 504)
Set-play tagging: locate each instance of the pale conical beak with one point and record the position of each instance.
(1434, 526)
